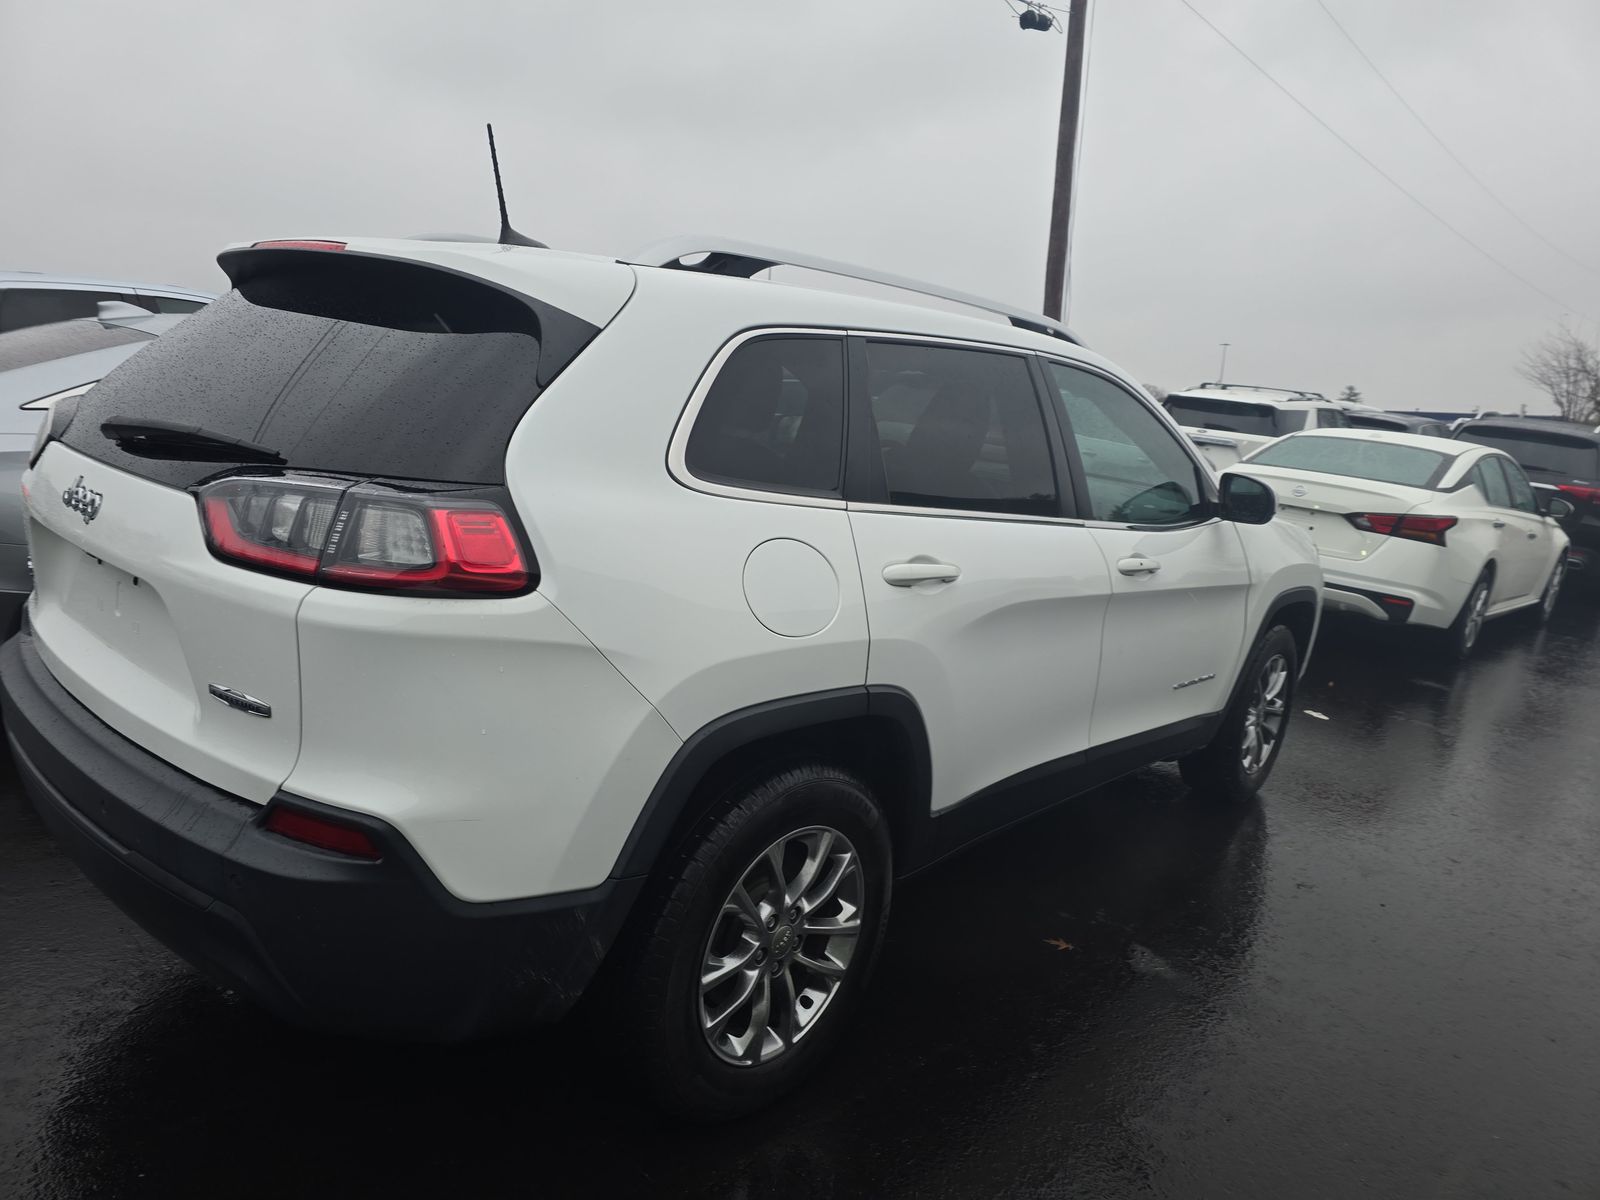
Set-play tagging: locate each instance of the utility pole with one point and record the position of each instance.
(1056, 256)
(1222, 371)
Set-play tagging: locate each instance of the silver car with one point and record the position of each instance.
(34, 298)
(38, 366)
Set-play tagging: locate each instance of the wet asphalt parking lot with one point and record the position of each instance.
(1383, 979)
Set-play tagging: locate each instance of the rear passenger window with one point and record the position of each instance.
(24, 307)
(774, 417)
(1522, 497)
(960, 429)
(1492, 481)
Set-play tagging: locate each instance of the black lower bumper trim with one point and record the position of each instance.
(1397, 614)
(322, 940)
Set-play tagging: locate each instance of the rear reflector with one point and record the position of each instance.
(297, 244)
(1417, 529)
(1578, 491)
(321, 832)
(365, 537)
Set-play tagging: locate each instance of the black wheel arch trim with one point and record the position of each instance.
(678, 784)
(1291, 596)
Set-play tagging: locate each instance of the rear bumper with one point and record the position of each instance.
(320, 939)
(1378, 606)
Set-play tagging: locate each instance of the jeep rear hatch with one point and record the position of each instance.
(166, 599)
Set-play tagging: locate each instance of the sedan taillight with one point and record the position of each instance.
(1580, 492)
(1417, 529)
(365, 537)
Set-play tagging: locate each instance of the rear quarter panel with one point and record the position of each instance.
(649, 569)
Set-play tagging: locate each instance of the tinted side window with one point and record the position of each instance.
(1136, 470)
(1522, 497)
(1333, 418)
(774, 417)
(22, 307)
(170, 304)
(960, 429)
(1493, 483)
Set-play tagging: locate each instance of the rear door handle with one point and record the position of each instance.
(1499, 524)
(1138, 565)
(905, 574)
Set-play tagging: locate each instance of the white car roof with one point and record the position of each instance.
(593, 287)
(1267, 398)
(10, 278)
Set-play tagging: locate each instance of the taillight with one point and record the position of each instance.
(1581, 492)
(1418, 529)
(321, 832)
(367, 537)
(271, 525)
(297, 244)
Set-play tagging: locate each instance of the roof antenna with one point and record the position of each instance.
(508, 235)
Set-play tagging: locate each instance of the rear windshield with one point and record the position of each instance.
(1233, 416)
(361, 366)
(1552, 454)
(43, 343)
(1373, 421)
(1357, 458)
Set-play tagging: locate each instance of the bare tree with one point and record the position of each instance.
(1567, 369)
(1156, 390)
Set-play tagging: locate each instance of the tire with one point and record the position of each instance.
(1464, 631)
(1219, 770)
(1552, 592)
(695, 922)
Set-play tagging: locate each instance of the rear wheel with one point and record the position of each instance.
(1238, 760)
(1463, 633)
(1552, 591)
(759, 943)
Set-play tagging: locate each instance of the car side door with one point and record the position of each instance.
(1530, 548)
(1175, 626)
(985, 599)
(1491, 517)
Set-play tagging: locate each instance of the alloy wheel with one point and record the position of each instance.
(780, 946)
(1553, 589)
(1266, 715)
(1478, 606)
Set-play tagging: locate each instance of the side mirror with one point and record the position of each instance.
(1558, 508)
(1247, 501)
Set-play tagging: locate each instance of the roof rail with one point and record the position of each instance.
(1299, 393)
(744, 259)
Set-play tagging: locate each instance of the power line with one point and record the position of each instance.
(1454, 157)
(1390, 179)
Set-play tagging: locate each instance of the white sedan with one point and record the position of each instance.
(1417, 530)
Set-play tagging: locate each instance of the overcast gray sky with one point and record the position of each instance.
(912, 135)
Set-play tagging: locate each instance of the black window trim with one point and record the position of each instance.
(1511, 488)
(677, 449)
(1470, 479)
(1208, 486)
(867, 490)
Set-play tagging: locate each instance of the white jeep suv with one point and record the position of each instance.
(427, 631)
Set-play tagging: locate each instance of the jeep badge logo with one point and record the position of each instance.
(81, 500)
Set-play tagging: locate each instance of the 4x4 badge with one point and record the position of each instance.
(81, 500)
(236, 699)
